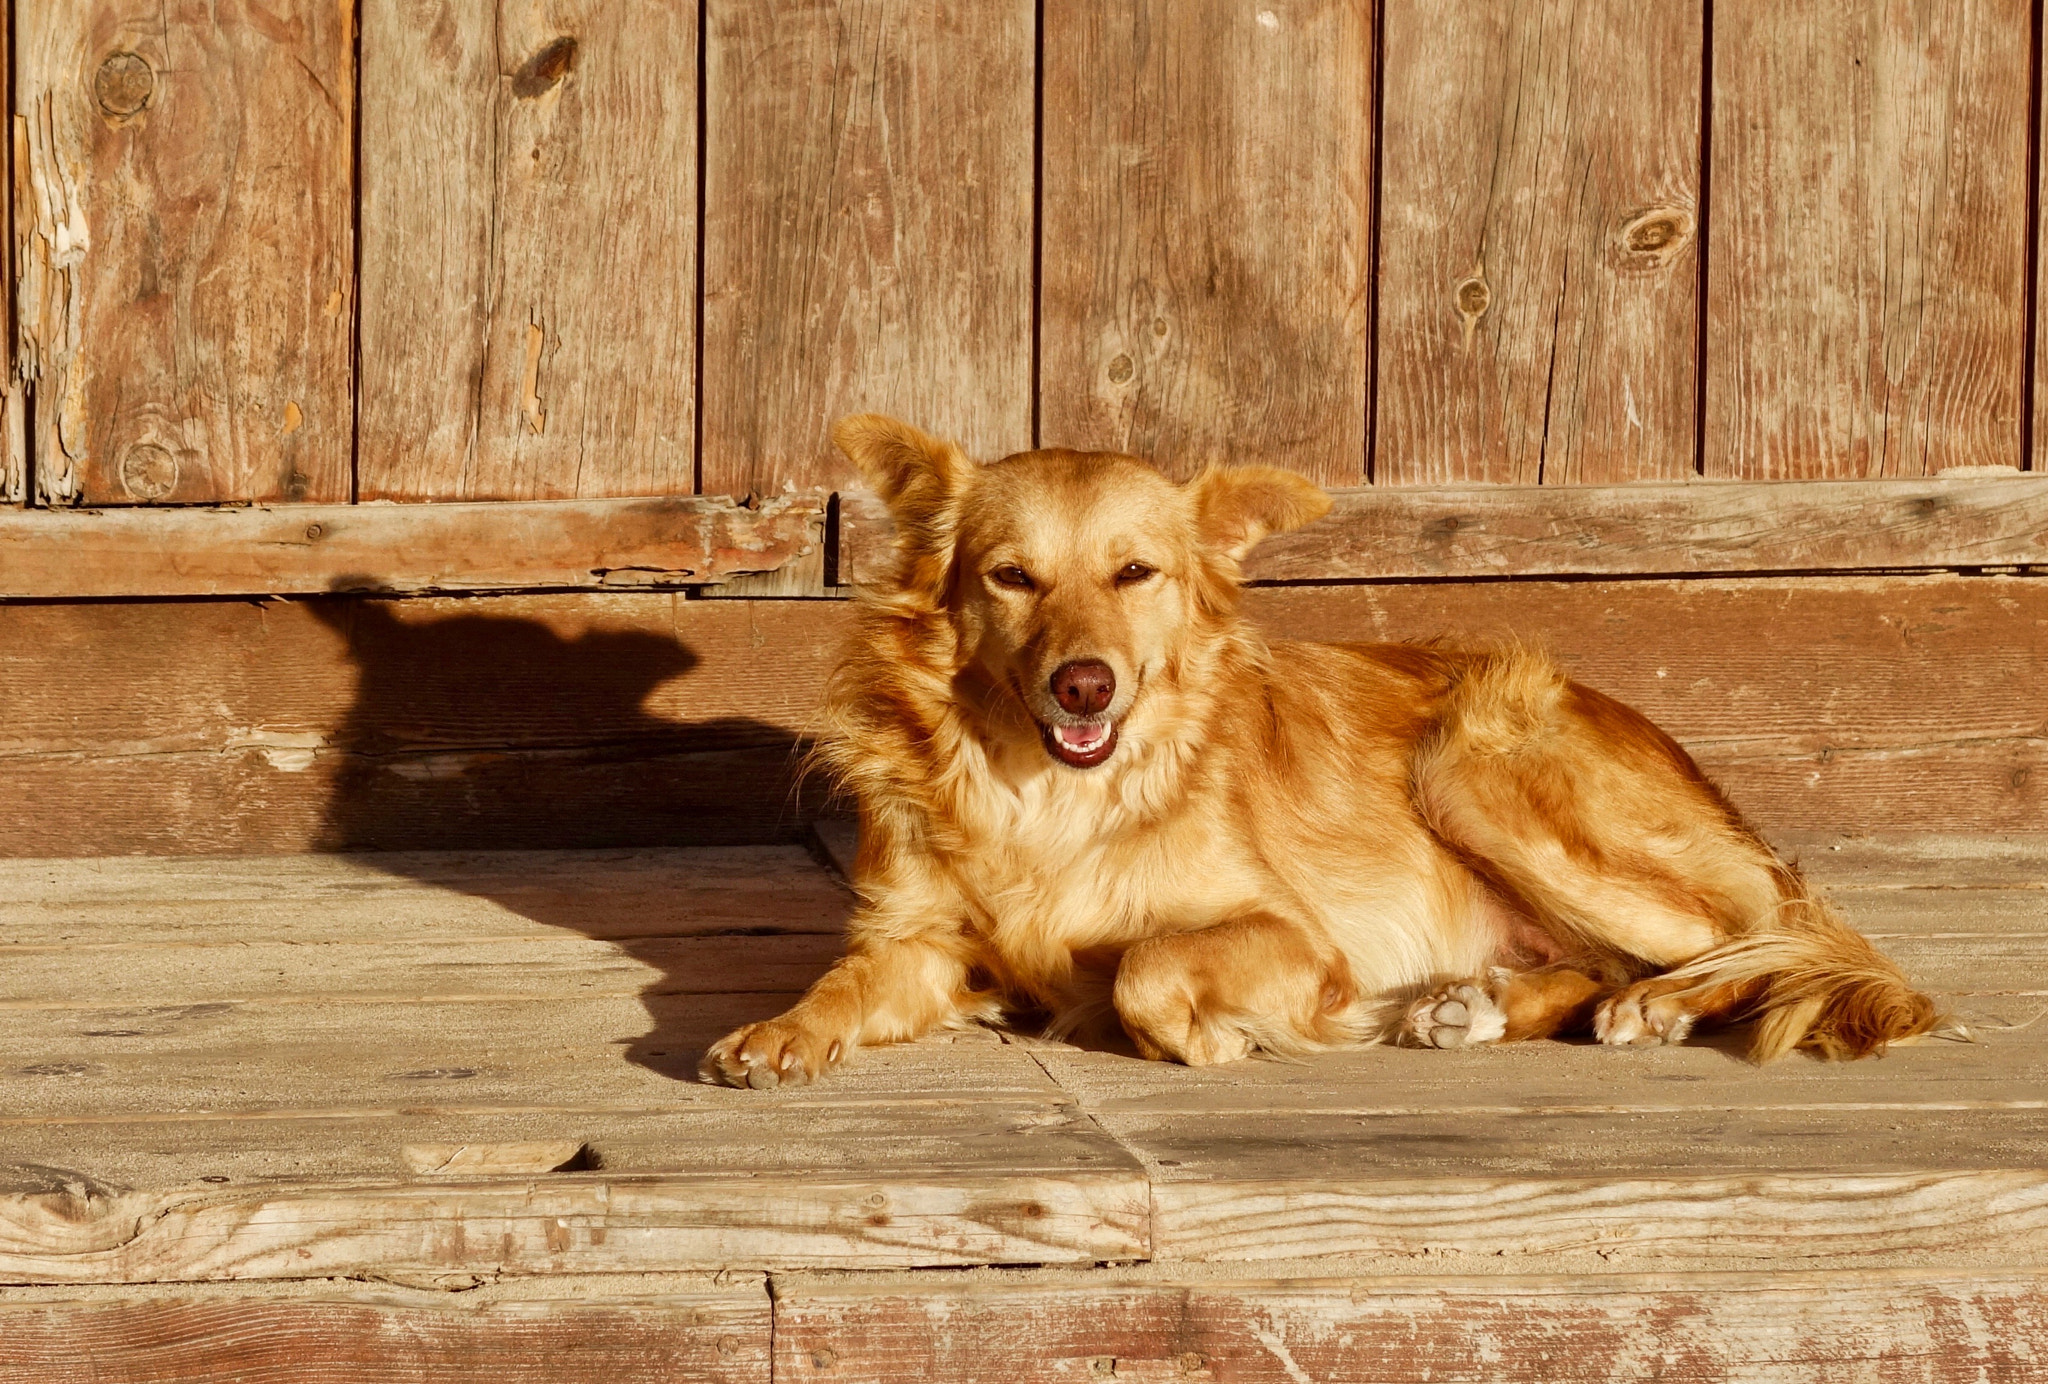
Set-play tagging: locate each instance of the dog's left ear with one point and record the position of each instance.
(1237, 506)
(914, 472)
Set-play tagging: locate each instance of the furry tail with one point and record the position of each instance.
(1812, 981)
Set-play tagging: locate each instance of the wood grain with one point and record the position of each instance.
(1207, 195)
(1875, 330)
(1844, 704)
(529, 259)
(590, 545)
(1592, 1329)
(635, 1333)
(1539, 283)
(1679, 529)
(520, 721)
(867, 232)
(187, 293)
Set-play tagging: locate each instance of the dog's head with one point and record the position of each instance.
(1071, 579)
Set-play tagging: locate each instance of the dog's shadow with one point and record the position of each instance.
(472, 733)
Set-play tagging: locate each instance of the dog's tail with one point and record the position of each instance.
(1809, 980)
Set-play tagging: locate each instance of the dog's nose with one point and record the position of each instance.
(1084, 686)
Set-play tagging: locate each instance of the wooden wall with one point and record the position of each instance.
(434, 251)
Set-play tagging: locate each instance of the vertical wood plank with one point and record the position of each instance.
(187, 268)
(867, 239)
(1539, 278)
(1207, 193)
(13, 399)
(529, 250)
(1867, 263)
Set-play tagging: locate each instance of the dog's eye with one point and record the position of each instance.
(1134, 572)
(1012, 576)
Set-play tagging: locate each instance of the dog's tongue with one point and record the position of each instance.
(1081, 737)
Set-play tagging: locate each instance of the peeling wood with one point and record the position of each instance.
(306, 549)
(1672, 528)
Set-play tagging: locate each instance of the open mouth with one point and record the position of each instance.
(1081, 747)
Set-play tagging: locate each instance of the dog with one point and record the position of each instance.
(1088, 789)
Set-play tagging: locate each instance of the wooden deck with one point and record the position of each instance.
(412, 1117)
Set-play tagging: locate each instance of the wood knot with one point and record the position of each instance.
(545, 69)
(123, 86)
(1121, 370)
(1652, 238)
(148, 472)
(1474, 297)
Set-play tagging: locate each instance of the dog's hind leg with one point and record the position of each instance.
(1219, 993)
(1507, 1006)
(1602, 828)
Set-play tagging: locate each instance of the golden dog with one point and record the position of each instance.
(1086, 787)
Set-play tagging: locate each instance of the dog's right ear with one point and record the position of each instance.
(916, 474)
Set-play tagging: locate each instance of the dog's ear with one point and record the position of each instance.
(1236, 506)
(914, 472)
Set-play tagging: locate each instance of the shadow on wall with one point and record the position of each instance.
(487, 733)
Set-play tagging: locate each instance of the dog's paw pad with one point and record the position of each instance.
(1641, 1016)
(1457, 1016)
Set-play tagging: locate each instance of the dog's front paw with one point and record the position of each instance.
(1457, 1016)
(775, 1052)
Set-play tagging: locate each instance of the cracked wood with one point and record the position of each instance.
(187, 259)
(1537, 247)
(529, 269)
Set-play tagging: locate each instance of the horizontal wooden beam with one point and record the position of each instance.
(285, 550)
(1691, 528)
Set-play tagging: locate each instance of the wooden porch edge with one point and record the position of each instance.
(584, 1223)
(405, 549)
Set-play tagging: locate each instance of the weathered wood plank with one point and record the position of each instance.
(1878, 333)
(1179, 321)
(636, 1332)
(867, 230)
(1540, 177)
(545, 722)
(187, 287)
(495, 365)
(1878, 1217)
(569, 1223)
(1688, 529)
(591, 545)
(1931, 1328)
(1920, 861)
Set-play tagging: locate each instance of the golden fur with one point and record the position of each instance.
(1289, 846)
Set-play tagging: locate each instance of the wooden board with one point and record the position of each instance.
(1880, 331)
(1180, 321)
(521, 721)
(701, 1331)
(1539, 283)
(1766, 1328)
(529, 256)
(867, 231)
(187, 295)
(1689, 529)
(1862, 704)
(592, 545)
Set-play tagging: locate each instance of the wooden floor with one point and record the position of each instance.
(434, 1117)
